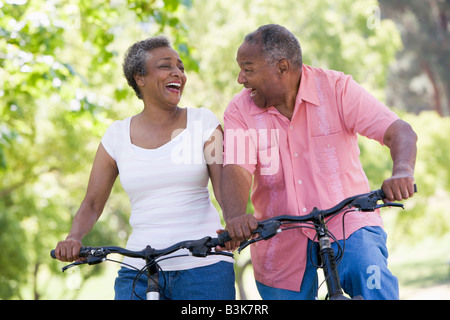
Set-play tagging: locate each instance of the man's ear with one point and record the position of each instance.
(283, 66)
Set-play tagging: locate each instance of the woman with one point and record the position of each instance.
(165, 156)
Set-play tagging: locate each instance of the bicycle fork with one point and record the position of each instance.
(326, 253)
(329, 269)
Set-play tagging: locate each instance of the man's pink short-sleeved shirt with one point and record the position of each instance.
(309, 161)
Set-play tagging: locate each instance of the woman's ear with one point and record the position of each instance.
(139, 80)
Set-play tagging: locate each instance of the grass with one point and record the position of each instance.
(422, 266)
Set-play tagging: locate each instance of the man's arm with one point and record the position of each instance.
(401, 139)
(235, 186)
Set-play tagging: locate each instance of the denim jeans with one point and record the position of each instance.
(213, 282)
(363, 270)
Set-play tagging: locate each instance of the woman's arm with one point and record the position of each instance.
(103, 175)
(213, 151)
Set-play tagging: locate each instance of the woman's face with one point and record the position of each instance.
(165, 79)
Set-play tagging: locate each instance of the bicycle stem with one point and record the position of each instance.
(152, 281)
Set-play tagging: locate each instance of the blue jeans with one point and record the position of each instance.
(213, 282)
(363, 270)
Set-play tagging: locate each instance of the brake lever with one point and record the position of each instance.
(370, 203)
(89, 261)
(199, 248)
(76, 263)
(364, 204)
(367, 204)
(390, 204)
(244, 244)
(266, 230)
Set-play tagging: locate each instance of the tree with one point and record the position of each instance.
(426, 213)
(58, 60)
(421, 81)
(346, 35)
(61, 86)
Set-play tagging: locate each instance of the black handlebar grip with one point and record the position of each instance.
(223, 237)
(52, 254)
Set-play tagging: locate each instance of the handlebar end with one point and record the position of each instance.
(52, 254)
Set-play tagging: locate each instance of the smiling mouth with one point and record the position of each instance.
(174, 87)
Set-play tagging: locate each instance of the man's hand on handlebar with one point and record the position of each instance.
(239, 229)
(398, 187)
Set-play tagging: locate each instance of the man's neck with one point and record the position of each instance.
(288, 106)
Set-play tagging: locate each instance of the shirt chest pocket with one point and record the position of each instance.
(329, 153)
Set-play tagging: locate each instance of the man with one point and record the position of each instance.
(291, 137)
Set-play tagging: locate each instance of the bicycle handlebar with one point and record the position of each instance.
(198, 248)
(366, 202)
(266, 229)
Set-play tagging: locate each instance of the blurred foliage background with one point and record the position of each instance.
(61, 85)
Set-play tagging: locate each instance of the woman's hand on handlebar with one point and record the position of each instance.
(68, 250)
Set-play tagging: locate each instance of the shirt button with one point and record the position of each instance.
(299, 181)
(296, 154)
(304, 209)
(291, 127)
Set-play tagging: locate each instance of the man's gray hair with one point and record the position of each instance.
(135, 61)
(277, 43)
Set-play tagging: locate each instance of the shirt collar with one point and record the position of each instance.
(307, 92)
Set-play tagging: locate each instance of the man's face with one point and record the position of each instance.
(258, 75)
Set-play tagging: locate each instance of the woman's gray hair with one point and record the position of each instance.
(135, 61)
(277, 43)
